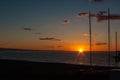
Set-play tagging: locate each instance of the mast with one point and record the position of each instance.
(90, 32)
(116, 47)
(109, 37)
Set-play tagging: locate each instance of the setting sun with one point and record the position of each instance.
(80, 50)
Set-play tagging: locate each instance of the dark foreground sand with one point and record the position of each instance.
(26, 70)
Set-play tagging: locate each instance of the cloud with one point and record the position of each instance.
(99, 43)
(26, 28)
(105, 17)
(101, 12)
(50, 39)
(54, 46)
(87, 35)
(51, 46)
(66, 22)
(59, 46)
(95, 0)
(101, 16)
(82, 15)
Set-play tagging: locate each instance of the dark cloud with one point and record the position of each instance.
(59, 46)
(95, 0)
(105, 17)
(99, 43)
(50, 39)
(66, 22)
(101, 16)
(54, 46)
(102, 12)
(83, 14)
(26, 28)
(51, 46)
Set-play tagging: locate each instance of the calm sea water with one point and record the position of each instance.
(72, 57)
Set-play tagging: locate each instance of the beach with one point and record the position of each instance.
(55, 65)
(59, 40)
(27, 70)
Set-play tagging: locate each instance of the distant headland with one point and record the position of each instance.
(14, 49)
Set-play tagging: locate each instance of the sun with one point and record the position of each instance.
(80, 50)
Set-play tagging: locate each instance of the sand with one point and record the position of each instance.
(27, 70)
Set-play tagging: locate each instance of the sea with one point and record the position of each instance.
(99, 58)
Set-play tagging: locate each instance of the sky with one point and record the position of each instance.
(58, 24)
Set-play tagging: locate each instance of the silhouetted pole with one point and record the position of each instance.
(90, 32)
(116, 47)
(109, 37)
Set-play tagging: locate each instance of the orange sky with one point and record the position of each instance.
(57, 24)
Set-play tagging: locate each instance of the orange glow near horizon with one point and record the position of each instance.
(80, 50)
